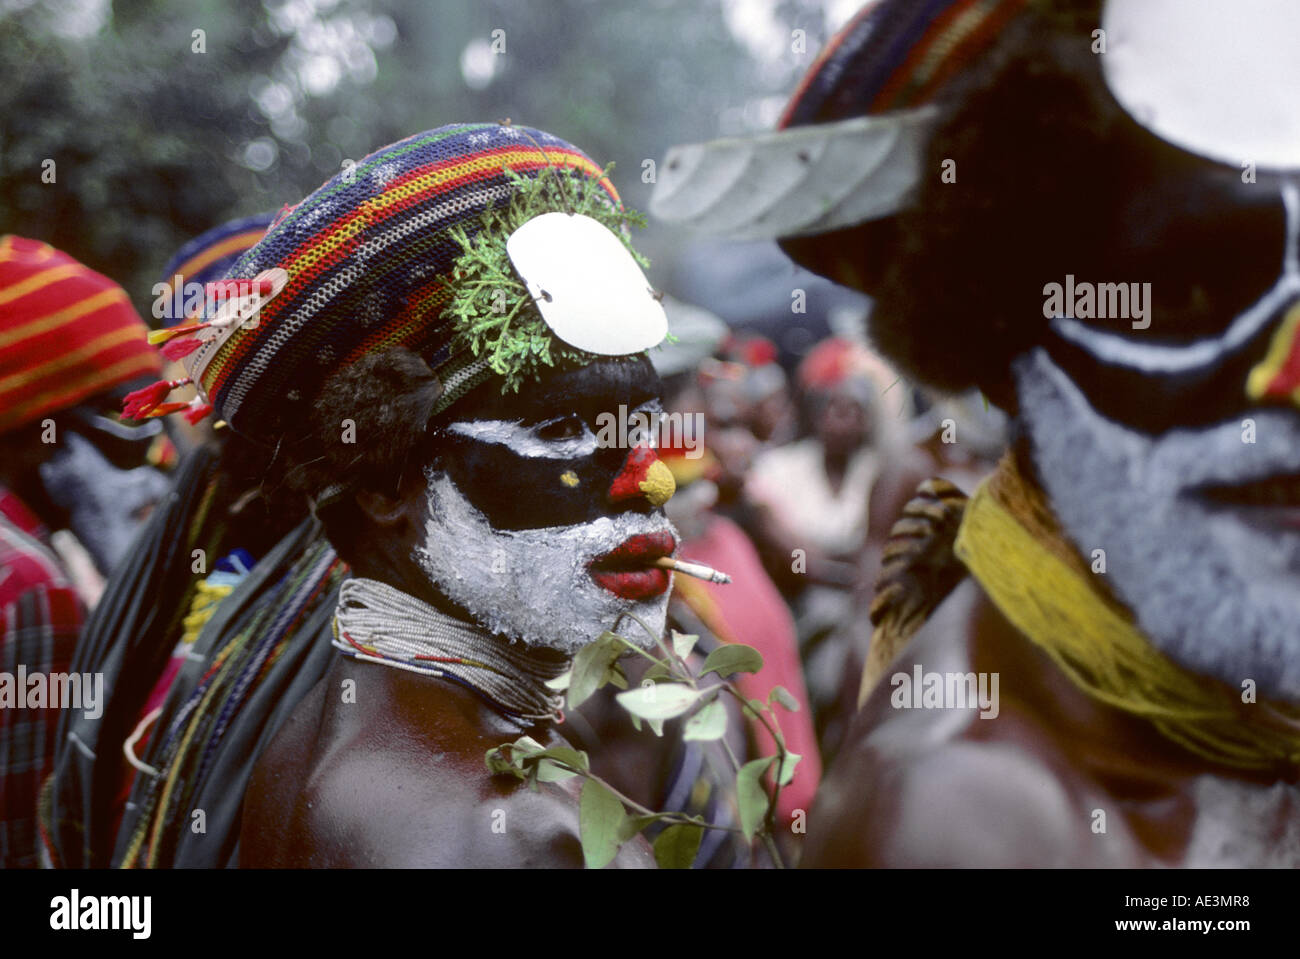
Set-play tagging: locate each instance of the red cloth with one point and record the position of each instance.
(750, 610)
(66, 333)
(40, 620)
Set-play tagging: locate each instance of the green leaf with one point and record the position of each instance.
(707, 724)
(659, 701)
(600, 821)
(634, 824)
(782, 695)
(656, 726)
(616, 677)
(751, 795)
(657, 672)
(733, 658)
(549, 772)
(591, 667)
(683, 644)
(676, 846)
(524, 746)
(498, 765)
(561, 682)
(546, 761)
(786, 773)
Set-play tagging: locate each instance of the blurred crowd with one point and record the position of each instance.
(807, 461)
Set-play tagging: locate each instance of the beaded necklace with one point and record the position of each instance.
(379, 624)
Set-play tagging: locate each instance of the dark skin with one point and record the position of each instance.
(397, 777)
(1017, 791)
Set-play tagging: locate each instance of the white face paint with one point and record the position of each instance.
(530, 441)
(1159, 358)
(532, 585)
(526, 441)
(1216, 587)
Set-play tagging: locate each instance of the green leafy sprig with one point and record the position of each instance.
(492, 312)
(669, 689)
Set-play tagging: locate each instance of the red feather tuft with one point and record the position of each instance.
(181, 347)
(196, 413)
(166, 409)
(137, 404)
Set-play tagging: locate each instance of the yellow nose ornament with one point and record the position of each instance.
(658, 485)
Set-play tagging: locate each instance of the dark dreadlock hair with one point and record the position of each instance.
(367, 430)
(958, 275)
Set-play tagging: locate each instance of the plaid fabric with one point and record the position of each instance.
(66, 333)
(369, 257)
(40, 619)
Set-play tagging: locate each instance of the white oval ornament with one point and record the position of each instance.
(588, 288)
(1219, 78)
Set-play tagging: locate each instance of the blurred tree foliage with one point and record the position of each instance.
(159, 132)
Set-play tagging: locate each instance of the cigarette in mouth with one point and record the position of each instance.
(698, 570)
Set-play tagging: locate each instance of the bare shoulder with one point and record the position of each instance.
(924, 787)
(391, 789)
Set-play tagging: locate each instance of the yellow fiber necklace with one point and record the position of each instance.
(1012, 544)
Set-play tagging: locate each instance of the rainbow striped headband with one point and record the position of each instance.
(364, 263)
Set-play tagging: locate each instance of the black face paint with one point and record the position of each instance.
(517, 492)
(1211, 248)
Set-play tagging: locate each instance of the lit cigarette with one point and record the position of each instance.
(698, 570)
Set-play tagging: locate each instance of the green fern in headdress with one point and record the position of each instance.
(492, 311)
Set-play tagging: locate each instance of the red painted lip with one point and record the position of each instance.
(626, 571)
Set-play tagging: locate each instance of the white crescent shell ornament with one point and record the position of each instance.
(1219, 78)
(587, 286)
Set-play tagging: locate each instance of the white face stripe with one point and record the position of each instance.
(524, 441)
(1116, 350)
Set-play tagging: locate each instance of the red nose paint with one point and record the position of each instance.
(627, 484)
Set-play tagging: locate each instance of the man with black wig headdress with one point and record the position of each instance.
(1091, 211)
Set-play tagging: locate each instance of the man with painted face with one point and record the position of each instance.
(1090, 211)
(70, 345)
(446, 332)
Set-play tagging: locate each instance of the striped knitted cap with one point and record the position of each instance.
(369, 259)
(66, 333)
(850, 149)
(894, 55)
(205, 258)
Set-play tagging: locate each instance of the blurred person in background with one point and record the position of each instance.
(75, 483)
(749, 609)
(815, 500)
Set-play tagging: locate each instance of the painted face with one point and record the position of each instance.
(543, 525)
(1201, 526)
(98, 476)
(1157, 430)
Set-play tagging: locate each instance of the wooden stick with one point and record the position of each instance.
(698, 570)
